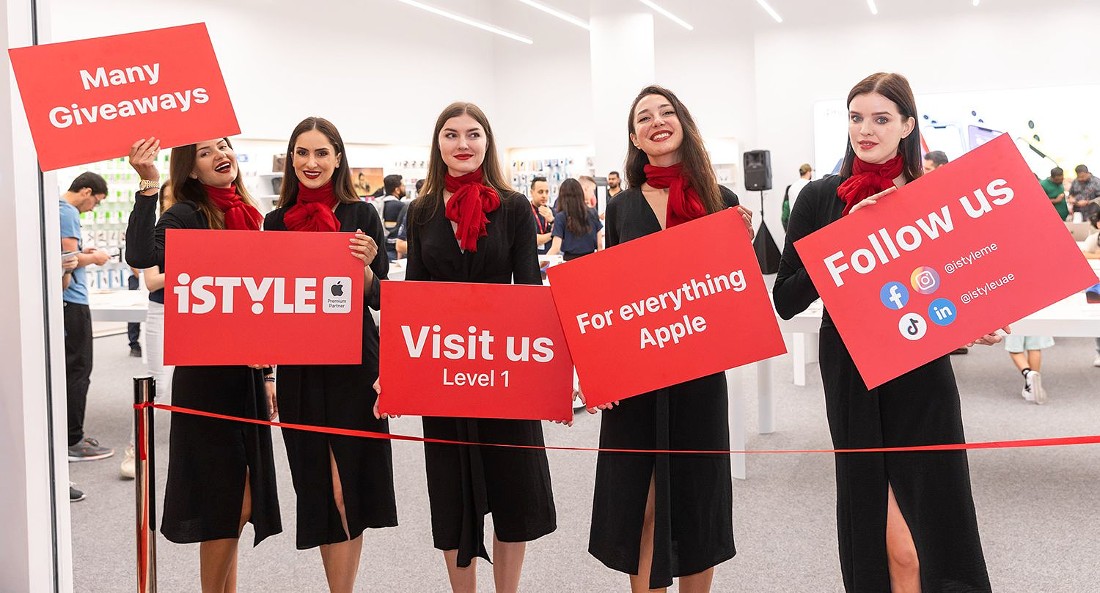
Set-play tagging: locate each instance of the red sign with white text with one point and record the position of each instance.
(90, 100)
(473, 351)
(952, 256)
(249, 297)
(641, 316)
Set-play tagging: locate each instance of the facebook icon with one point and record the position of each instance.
(894, 295)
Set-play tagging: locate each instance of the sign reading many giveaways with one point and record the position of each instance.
(666, 308)
(246, 297)
(91, 100)
(952, 256)
(473, 351)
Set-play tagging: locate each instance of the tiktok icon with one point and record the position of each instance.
(912, 326)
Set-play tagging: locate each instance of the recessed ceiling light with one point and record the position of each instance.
(669, 15)
(767, 8)
(468, 21)
(565, 16)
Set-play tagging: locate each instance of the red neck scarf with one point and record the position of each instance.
(684, 204)
(867, 180)
(313, 210)
(239, 216)
(470, 201)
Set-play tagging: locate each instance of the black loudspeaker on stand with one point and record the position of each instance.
(758, 177)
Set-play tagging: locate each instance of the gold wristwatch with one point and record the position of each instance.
(147, 184)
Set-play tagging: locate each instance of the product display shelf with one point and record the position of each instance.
(555, 170)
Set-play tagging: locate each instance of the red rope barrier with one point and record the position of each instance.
(1010, 444)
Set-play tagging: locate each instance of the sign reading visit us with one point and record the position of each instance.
(227, 301)
(90, 100)
(952, 256)
(640, 316)
(473, 351)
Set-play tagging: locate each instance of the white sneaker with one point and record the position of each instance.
(126, 470)
(1033, 388)
(1096, 361)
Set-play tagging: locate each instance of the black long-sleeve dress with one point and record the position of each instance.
(339, 396)
(693, 493)
(920, 407)
(464, 482)
(208, 459)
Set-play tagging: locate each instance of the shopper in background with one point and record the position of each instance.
(659, 516)
(401, 245)
(83, 195)
(133, 329)
(154, 335)
(577, 229)
(1091, 248)
(790, 195)
(905, 521)
(614, 185)
(389, 210)
(1027, 354)
(344, 484)
(220, 474)
(541, 212)
(1056, 191)
(1084, 189)
(934, 160)
(469, 226)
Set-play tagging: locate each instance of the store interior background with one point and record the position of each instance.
(382, 70)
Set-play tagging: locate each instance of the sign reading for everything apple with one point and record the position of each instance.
(90, 100)
(641, 316)
(952, 256)
(473, 351)
(301, 303)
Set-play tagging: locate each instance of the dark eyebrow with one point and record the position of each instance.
(659, 107)
(474, 129)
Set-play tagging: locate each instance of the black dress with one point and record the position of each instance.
(465, 483)
(920, 407)
(694, 493)
(208, 459)
(339, 396)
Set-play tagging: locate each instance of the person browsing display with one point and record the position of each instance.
(577, 229)
(905, 521)
(543, 215)
(221, 475)
(344, 485)
(470, 226)
(659, 516)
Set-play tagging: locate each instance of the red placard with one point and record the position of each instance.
(641, 315)
(952, 256)
(473, 351)
(90, 100)
(246, 297)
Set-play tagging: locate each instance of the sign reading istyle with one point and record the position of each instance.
(90, 100)
(473, 351)
(954, 255)
(640, 316)
(302, 303)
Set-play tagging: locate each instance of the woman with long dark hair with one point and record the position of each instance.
(220, 474)
(344, 484)
(659, 516)
(470, 226)
(905, 521)
(576, 229)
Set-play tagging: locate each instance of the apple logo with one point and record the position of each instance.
(337, 290)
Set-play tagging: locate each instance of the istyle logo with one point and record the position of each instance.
(894, 295)
(912, 326)
(206, 293)
(336, 300)
(942, 312)
(925, 280)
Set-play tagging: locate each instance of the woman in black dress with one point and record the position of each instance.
(344, 484)
(576, 227)
(905, 521)
(661, 516)
(220, 474)
(469, 226)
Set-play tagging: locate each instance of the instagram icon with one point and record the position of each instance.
(925, 280)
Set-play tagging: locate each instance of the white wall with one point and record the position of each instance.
(380, 70)
(1046, 45)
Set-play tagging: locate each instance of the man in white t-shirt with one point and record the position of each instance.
(805, 174)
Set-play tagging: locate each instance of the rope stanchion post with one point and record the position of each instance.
(145, 387)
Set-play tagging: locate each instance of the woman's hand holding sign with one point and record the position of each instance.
(746, 217)
(364, 248)
(143, 158)
(378, 395)
(990, 338)
(873, 199)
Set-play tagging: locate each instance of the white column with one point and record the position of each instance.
(621, 44)
(34, 503)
